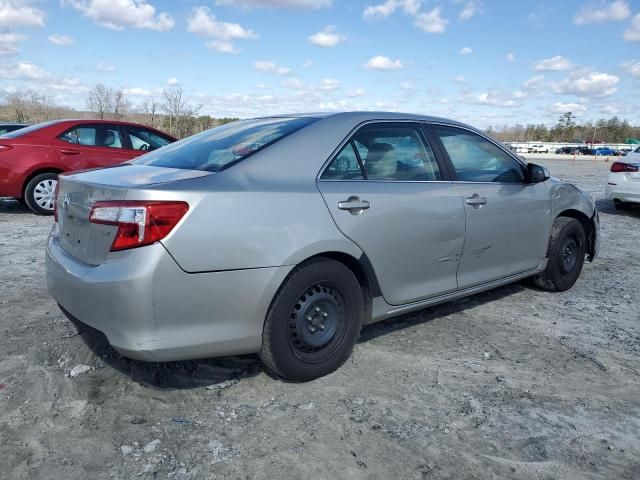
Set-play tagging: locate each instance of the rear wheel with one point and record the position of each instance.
(565, 254)
(621, 205)
(313, 322)
(39, 193)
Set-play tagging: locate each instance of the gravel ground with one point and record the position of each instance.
(512, 383)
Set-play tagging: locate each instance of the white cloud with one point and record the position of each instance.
(61, 40)
(137, 92)
(18, 13)
(203, 23)
(633, 32)
(602, 11)
(533, 82)
(24, 71)
(633, 67)
(270, 67)
(465, 51)
(590, 84)
(556, 63)
(329, 84)
(307, 63)
(301, 4)
(294, 83)
(329, 37)
(173, 81)
(103, 67)
(492, 98)
(459, 79)
(470, 10)
(432, 21)
(121, 14)
(358, 92)
(9, 43)
(380, 62)
(510, 57)
(560, 107)
(386, 9)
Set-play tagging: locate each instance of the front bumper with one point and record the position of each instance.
(149, 309)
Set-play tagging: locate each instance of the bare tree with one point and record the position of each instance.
(29, 106)
(179, 113)
(151, 110)
(100, 100)
(120, 104)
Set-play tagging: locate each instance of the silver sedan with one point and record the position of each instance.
(284, 235)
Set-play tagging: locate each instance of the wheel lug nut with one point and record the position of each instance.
(317, 309)
(309, 318)
(321, 326)
(311, 329)
(325, 314)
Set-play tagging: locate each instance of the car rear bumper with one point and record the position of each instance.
(620, 187)
(149, 309)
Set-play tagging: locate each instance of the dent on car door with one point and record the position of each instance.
(386, 192)
(507, 219)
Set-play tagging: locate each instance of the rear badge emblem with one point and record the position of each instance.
(66, 200)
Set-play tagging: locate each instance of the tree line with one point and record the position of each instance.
(170, 111)
(569, 130)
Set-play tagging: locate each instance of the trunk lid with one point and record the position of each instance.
(77, 194)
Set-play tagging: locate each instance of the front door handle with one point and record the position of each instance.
(68, 151)
(354, 205)
(476, 201)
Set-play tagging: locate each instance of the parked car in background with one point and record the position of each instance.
(284, 235)
(538, 149)
(606, 151)
(31, 158)
(623, 183)
(11, 127)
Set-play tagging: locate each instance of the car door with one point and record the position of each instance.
(387, 192)
(91, 145)
(507, 219)
(140, 140)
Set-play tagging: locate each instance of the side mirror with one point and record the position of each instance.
(537, 173)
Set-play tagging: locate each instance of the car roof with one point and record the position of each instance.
(368, 115)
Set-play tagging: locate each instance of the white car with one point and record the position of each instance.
(623, 184)
(538, 149)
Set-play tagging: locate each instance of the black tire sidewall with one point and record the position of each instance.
(286, 362)
(562, 281)
(29, 190)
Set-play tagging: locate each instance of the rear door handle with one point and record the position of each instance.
(476, 201)
(354, 205)
(68, 151)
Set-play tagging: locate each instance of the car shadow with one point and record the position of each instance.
(607, 206)
(12, 206)
(216, 373)
(427, 314)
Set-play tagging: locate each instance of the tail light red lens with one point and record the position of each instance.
(139, 222)
(623, 167)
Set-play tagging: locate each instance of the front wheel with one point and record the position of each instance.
(567, 247)
(314, 321)
(39, 193)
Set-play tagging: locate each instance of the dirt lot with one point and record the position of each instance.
(513, 383)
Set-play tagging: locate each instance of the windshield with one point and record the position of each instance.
(26, 130)
(221, 147)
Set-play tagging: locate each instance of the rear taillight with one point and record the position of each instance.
(623, 167)
(55, 202)
(139, 222)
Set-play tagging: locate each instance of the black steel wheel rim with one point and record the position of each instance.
(317, 322)
(569, 254)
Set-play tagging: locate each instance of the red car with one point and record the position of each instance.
(31, 158)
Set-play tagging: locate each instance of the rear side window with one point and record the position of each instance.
(146, 140)
(30, 129)
(387, 152)
(475, 159)
(93, 136)
(221, 147)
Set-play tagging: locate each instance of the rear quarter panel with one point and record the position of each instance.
(20, 163)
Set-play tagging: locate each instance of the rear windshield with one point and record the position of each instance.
(26, 130)
(221, 147)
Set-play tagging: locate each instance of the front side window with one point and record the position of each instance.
(145, 140)
(391, 152)
(219, 148)
(93, 136)
(475, 159)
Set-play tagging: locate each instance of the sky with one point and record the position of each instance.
(484, 62)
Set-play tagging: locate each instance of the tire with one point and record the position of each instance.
(567, 247)
(621, 206)
(38, 194)
(313, 322)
